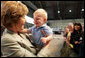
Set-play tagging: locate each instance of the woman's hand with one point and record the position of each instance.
(76, 42)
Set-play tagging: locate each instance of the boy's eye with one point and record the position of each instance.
(37, 18)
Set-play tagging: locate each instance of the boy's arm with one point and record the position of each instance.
(25, 31)
(46, 37)
(49, 37)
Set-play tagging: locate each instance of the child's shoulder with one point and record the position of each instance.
(48, 30)
(47, 27)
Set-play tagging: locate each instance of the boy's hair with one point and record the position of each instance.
(42, 12)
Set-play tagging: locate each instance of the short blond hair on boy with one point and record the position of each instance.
(42, 12)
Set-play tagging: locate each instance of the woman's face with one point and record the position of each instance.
(77, 27)
(38, 20)
(20, 25)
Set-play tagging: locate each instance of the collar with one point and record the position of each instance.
(41, 26)
(9, 31)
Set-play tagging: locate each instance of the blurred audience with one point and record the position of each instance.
(74, 40)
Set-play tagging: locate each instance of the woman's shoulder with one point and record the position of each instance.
(7, 38)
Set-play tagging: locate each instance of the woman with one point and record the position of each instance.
(14, 44)
(76, 37)
(13, 18)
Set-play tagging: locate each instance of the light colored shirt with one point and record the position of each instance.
(37, 34)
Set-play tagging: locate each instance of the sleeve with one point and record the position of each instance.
(31, 29)
(10, 48)
(48, 30)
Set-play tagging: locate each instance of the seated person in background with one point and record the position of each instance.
(67, 46)
(71, 29)
(76, 37)
(41, 33)
(66, 49)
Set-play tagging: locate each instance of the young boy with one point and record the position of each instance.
(41, 33)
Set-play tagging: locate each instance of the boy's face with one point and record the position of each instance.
(38, 20)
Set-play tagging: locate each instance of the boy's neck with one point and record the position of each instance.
(40, 26)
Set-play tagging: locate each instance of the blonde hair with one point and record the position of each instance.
(42, 12)
(11, 12)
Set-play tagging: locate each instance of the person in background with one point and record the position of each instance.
(71, 30)
(76, 37)
(65, 50)
(71, 27)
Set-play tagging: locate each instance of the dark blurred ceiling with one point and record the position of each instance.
(52, 8)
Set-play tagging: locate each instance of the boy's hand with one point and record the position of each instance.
(44, 39)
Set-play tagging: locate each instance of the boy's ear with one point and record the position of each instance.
(45, 20)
